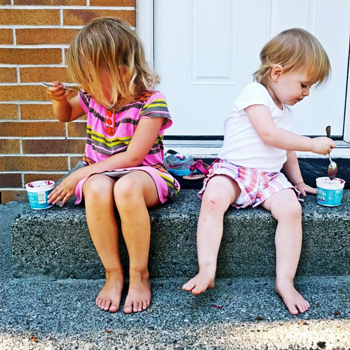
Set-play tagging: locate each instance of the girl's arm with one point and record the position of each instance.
(145, 135)
(64, 110)
(261, 120)
(292, 170)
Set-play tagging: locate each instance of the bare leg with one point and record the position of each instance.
(286, 209)
(99, 204)
(133, 194)
(221, 191)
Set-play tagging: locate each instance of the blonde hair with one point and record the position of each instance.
(109, 44)
(294, 49)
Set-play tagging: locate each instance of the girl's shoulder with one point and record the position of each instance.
(254, 93)
(255, 88)
(148, 95)
(153, 103)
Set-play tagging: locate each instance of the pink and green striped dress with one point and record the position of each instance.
(110, 133)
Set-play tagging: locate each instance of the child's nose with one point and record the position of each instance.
(306, 92)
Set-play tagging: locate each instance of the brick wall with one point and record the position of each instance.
(34, 35)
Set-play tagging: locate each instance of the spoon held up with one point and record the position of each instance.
(332, 167)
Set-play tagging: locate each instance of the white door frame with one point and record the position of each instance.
(145, 29)
(144, 26)
(346, 133)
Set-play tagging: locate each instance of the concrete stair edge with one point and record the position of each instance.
(56, 243)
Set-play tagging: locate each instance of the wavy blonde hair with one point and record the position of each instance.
(109, 44)
(294, 49)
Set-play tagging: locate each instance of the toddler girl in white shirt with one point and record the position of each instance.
(258, 143)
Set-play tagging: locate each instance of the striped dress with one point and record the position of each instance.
(109, 132)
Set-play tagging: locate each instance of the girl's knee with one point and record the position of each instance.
(98, 189)
(291, 210)
(215, 201)
(126, 190)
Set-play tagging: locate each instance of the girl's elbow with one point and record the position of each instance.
(135, 160)
(268, 139)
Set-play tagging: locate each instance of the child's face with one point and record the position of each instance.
(106, 89)
(290, 88)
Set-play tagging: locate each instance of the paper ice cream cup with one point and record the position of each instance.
(38, 192)
(329, 192)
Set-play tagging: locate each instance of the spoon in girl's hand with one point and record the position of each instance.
(65, 87)
(332, 167)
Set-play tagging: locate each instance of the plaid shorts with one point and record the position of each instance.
(256, 185)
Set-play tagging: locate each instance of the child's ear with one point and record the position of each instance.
(276, 72)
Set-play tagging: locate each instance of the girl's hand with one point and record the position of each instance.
(322, 145)
(304, 189)
(57, 92)
(63, 191)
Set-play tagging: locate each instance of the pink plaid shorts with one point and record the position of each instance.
(256, 185)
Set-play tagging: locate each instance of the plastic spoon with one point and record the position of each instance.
(332, 167)
(65, 87)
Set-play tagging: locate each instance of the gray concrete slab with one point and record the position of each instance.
(239, 313)
(7, 214)
(54, 242)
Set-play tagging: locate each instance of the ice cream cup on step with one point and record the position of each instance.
(38, 192)
(329, 192)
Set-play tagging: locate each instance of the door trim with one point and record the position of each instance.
(346, 130)
(144, 26)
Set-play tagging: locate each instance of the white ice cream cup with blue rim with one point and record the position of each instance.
(329, 192)
(38, 192)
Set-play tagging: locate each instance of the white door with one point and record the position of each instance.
(206, 51)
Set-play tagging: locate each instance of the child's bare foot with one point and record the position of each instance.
(139, 294)
(293, 300)
(199, 283)
(109, 297)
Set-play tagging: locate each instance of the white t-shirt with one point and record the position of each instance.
(242, 145)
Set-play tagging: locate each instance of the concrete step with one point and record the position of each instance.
(44, 313)
(236, 314)
(56, 243)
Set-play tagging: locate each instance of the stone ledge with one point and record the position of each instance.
(56, 242)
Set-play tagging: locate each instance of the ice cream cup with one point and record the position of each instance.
(38, 192)
(329, 192)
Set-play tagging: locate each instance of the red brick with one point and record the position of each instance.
(13, 196)
(47, 36)
(54, 146)
(128, 3)
(6, 36)
(23, 93)
(40, 74)
(51, 2)
(8, 146)
(74, 161)
(10, 180)
(31, 56)
(8, 111)
(77, 129)
(29, 17)
(32, 129)
(8, 75)
(35, 112)
(45, 163)
(82, 17)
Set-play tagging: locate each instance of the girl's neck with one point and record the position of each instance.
(122, 103)
(271, 92)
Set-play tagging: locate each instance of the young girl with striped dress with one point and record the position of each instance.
(123, 160)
